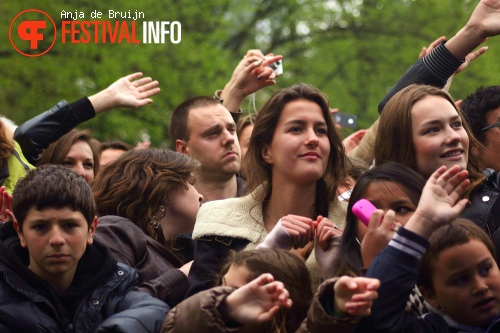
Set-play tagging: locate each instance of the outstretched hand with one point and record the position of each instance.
(438, 204)
(130, 91)
(486, 18)
(354, 295)
(256, 302)
(251, 74)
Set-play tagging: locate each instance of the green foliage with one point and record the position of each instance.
(353, 50)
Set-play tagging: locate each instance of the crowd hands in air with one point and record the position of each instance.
(247, 223)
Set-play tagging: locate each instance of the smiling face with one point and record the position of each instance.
(56, 239)
(466, 284)
(438, 135)
(80, 159)
(386, 195)
(300, 148)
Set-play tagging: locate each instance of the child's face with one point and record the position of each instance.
(56, 239)
(467, 284)
(236, 276)
(385, 195)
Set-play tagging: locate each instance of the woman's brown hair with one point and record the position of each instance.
(138, 183)
(56, 152)
(394, 142)
(258, 171)
(285, 267)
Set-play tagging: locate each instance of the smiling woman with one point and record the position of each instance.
(431, 131)
(76, 151)
(293, 165)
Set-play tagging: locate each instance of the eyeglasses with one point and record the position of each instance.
(490, 126)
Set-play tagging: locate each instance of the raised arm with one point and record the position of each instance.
(436, 67)
(37, 133)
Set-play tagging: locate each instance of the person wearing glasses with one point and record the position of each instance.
(478, 156)
(482, 109)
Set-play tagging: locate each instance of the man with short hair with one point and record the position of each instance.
(482, 109)
(203, 129)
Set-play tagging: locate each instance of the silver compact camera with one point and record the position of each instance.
(277, 66)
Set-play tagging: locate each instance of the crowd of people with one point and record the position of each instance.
(247, 223)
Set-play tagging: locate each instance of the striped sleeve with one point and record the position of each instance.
(442, 62)
(409, 243)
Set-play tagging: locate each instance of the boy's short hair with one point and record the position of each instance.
(461, 231)
(52, 186)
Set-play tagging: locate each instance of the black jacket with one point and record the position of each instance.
(101, 298)
(39, 132)
(484, 208)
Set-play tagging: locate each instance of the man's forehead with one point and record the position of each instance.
(208, 115)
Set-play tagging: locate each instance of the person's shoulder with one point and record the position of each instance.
(337, 211)
(117, 224)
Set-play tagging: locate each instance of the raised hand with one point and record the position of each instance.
(256, 302)
(5, 206)
(252, 74)
(486, 18)
(354, 295)
(438, 204)
(250, 57)
(130, 91)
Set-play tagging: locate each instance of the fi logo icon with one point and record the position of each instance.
(32, 33)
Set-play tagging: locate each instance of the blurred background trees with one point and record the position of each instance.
(353, 50)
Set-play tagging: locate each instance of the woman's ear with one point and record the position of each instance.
(266, 154)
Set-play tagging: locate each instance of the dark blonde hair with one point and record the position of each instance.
(285, 267)
(56, 152)
(138, 183)
(6, 144)
(258, 171)
(459, 232)
(396, 127)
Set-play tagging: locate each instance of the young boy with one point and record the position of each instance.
(457, 275)
(53, 276)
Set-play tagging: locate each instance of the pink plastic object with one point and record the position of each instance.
(363, 209)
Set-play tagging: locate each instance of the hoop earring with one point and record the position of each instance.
(155, 223)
